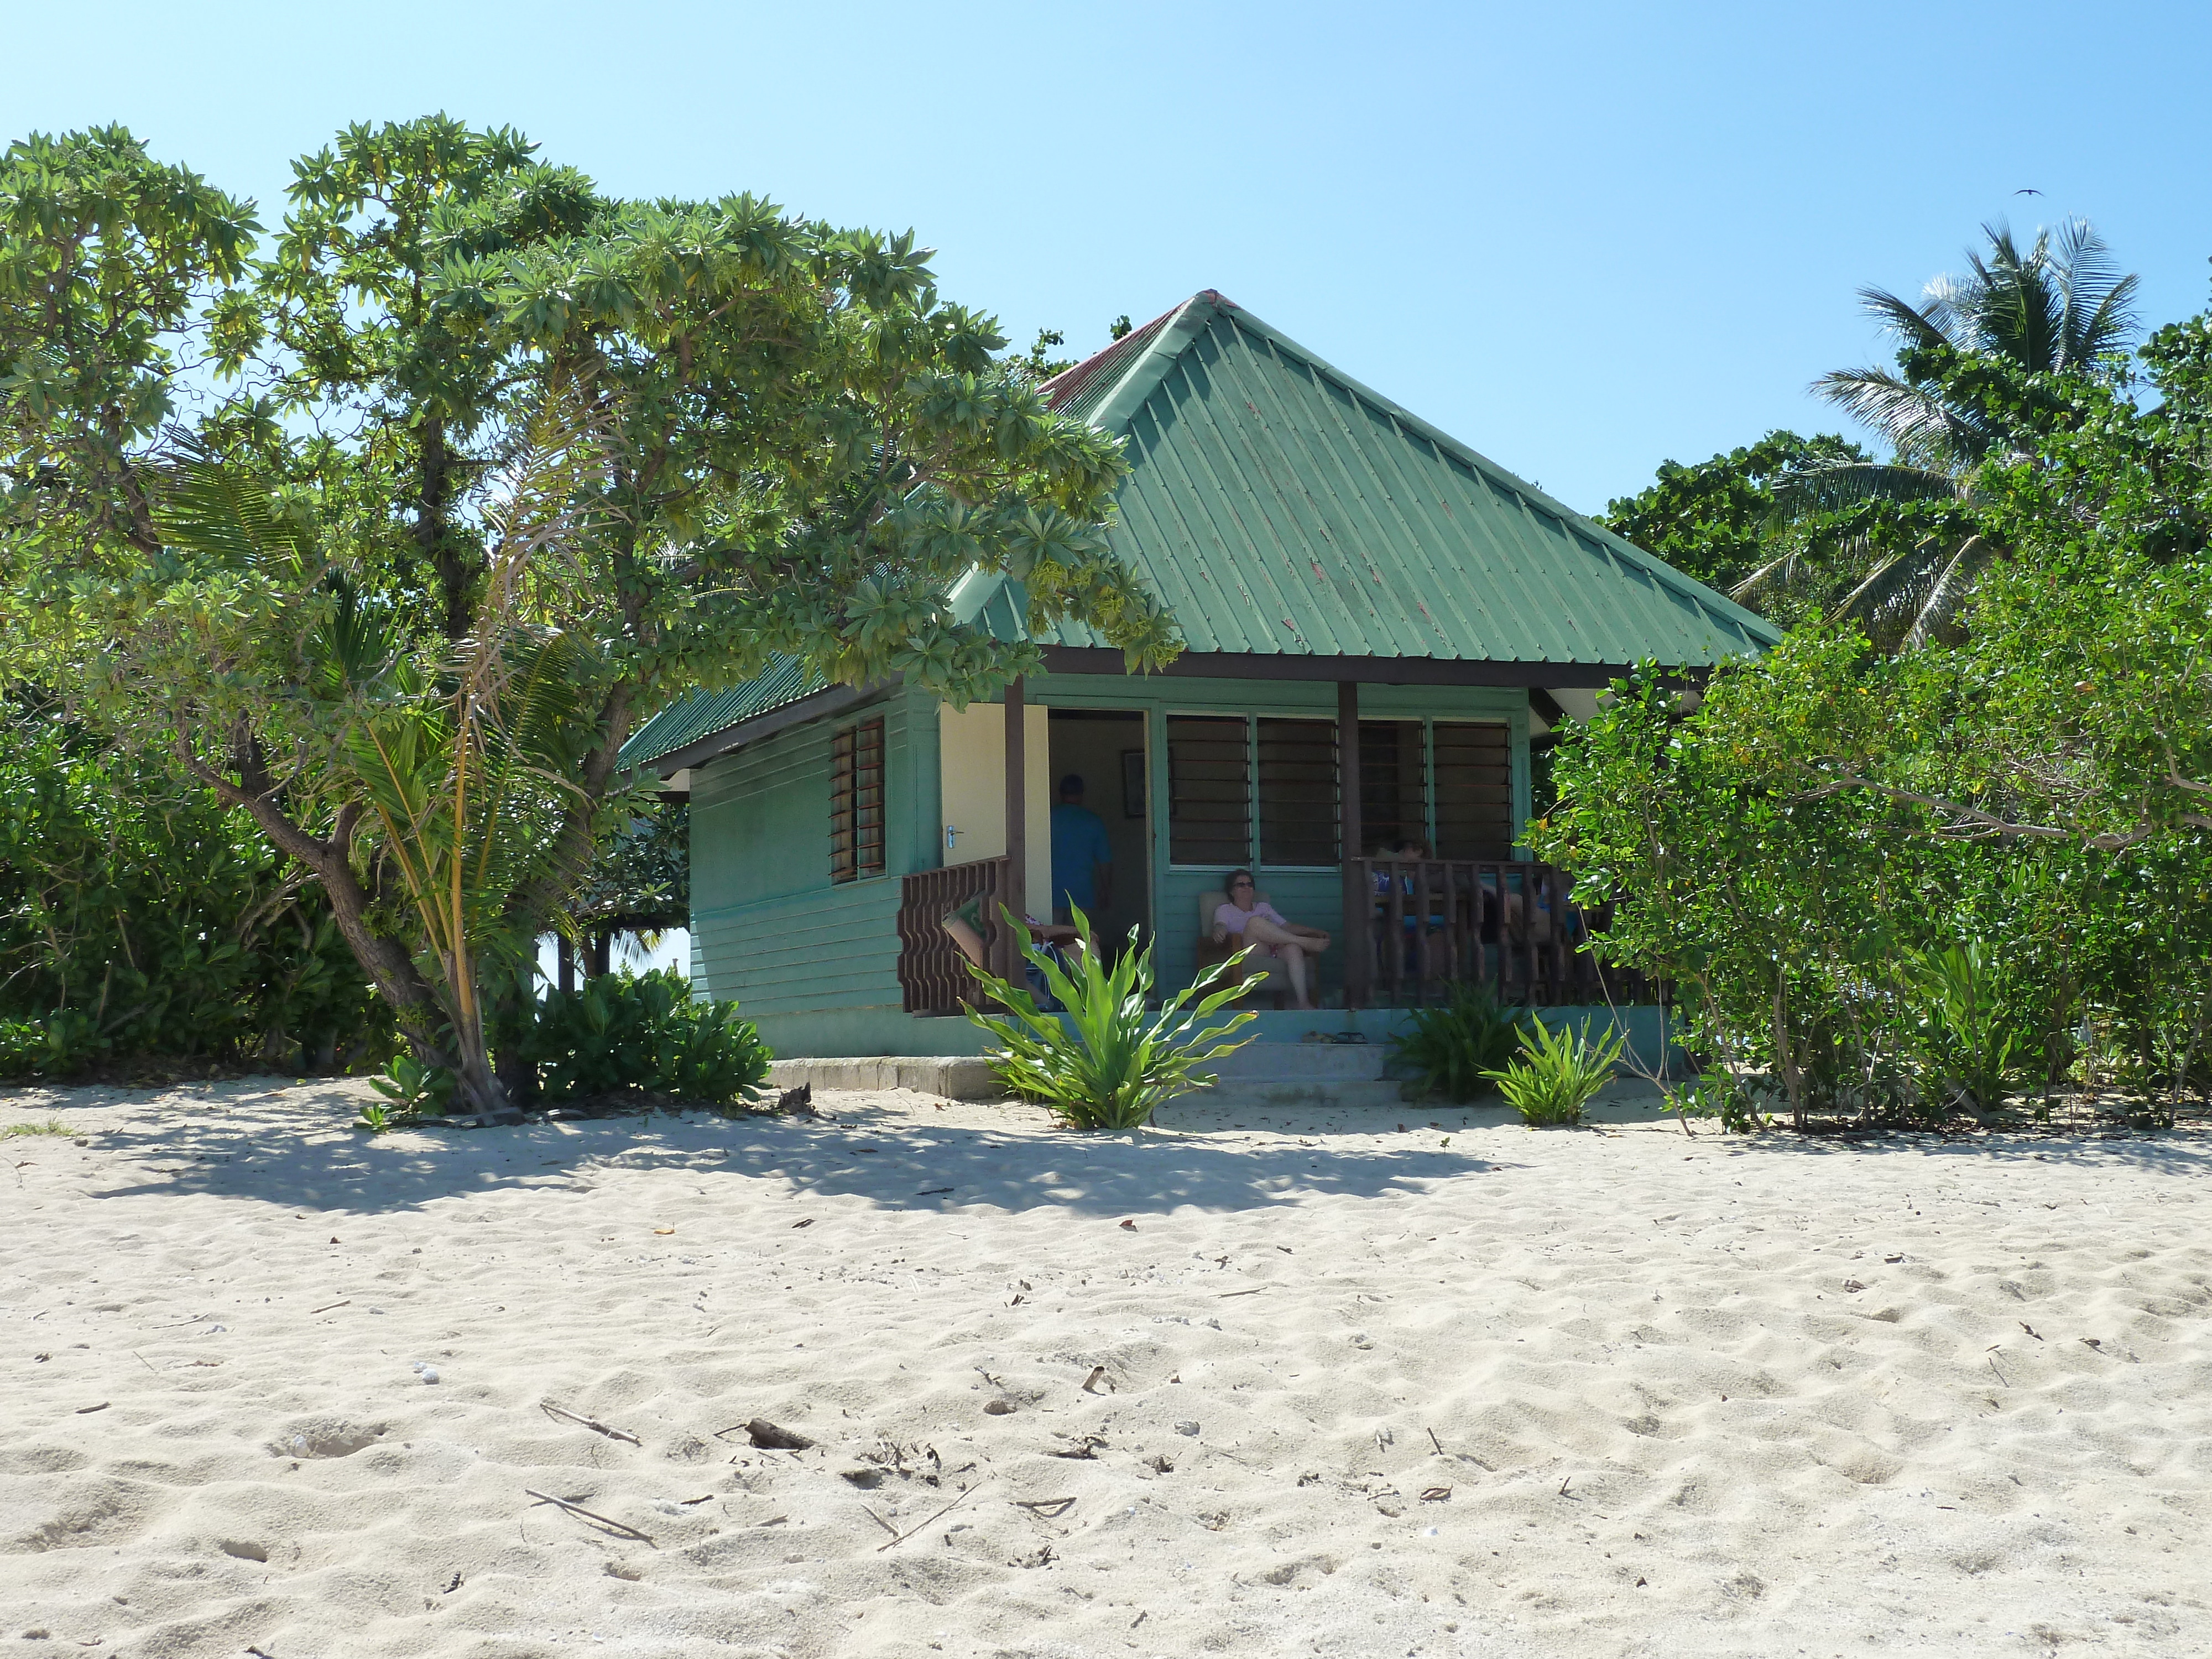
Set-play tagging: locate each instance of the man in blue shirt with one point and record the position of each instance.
(1081, 862)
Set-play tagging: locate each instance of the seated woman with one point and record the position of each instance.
(1251, 921)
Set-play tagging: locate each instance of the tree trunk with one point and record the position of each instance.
(1783, 1057)
(512, 1020)
(389, 966)
(564, 963)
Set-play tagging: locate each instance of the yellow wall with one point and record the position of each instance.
(972, 752)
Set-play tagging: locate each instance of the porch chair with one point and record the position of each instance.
(1264, 980)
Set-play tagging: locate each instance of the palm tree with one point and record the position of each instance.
(2061, 305)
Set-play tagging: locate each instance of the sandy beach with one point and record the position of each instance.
(1432, 1385)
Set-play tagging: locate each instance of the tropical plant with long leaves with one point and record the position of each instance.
(1111, 1059)
(2060, 304)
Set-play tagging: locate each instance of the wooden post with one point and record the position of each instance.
(1358, 901)
(1016, 896)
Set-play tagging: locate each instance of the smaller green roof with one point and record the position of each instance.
(701, 713)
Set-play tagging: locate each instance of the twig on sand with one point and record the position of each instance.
(142, 1360)
(1058, 1506)
(86, 1411)
(627, 1530)
(940, 1513)
(1992, 1358)
(1254, 1290)
(348, 1302)
(1433, 1441)
(590, 1423)
(879, 1521)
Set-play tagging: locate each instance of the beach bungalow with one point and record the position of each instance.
(1380, 623)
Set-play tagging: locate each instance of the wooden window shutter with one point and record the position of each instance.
(856, 802)
(1299, 815)
(1474, 789)
(1209, 791)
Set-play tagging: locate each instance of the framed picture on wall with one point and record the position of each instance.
(1132, 783)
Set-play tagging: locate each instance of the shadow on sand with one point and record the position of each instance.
(294, 1146)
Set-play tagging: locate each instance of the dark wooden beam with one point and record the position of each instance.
(1350, 836)
(1365, 670)
(1017, 834)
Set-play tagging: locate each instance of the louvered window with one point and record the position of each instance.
(1298, 813)
(1393, 784)
(1475, 790)
(1209, 790)
(856, 802)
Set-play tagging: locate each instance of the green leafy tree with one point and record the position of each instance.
(394, 532)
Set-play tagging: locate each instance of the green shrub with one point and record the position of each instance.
(61, 1045)
(1110, 1062)
(620, 1034)
(415, 1091)
(139, 916)
(1555, 1077)
(1456, 1047)
(1971, 1040)
(22, 1046)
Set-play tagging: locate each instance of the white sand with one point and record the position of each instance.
(1668, 1422)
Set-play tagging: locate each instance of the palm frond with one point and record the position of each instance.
(1918, 426)
(2098, 298)
(215, 508)
(353, 644)
(1909, 322)
(1837, 484)
(1888, 598)
(1773, 578)
(1945, 602)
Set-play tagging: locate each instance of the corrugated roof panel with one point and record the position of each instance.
(1278, 507)
(703, 713)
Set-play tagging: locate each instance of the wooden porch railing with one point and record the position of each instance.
(1508, 923)
(933, 972)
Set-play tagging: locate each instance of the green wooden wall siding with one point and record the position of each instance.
(769, 928)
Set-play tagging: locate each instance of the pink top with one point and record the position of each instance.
(1230, 917)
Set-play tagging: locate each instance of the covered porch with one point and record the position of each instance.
(1459, 907)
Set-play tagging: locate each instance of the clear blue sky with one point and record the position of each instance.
(1584, 238)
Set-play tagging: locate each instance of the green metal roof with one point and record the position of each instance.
(701, 713)
(1280, 507)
